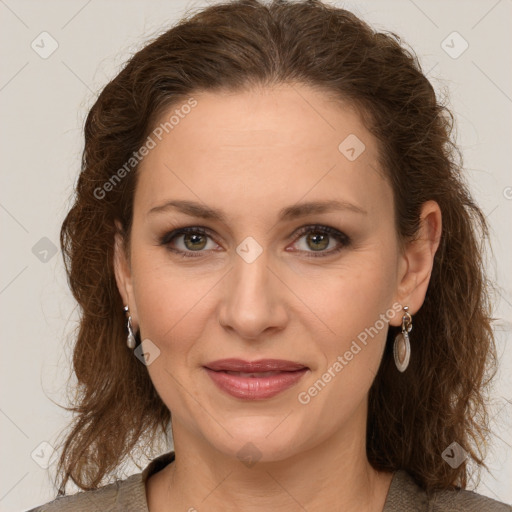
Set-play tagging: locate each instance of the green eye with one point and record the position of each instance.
(321, 236)
(195, 239)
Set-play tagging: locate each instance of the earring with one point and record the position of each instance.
(402, 346)
(130, 340)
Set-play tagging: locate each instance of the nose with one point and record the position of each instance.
(253, 299)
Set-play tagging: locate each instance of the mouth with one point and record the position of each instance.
(255, 380)
(260, 366)
(253, 375)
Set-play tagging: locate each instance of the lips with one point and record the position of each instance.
(262, 365)
(254, 380)
(253, 374)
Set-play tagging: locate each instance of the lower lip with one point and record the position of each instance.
(255, 388)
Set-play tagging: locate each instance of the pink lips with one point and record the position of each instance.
(254, 380)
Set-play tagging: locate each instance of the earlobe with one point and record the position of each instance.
(418, 260)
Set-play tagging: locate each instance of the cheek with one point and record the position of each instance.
(352, 297)
(355, 304)
(167, 302)
(171, 312)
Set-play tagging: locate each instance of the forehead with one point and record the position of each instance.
(262, 143)
(277, 118)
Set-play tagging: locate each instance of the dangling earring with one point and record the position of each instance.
(130, 340)
(402, 346)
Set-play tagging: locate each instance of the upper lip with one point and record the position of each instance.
(262, 365)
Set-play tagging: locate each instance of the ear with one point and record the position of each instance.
(123, 273)
(417, 260)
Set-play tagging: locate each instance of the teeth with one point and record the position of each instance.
(258, 374)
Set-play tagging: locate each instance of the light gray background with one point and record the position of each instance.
(43, 104)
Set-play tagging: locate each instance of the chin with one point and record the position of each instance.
(258, 438)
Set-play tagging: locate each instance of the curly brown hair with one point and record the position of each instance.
(234, 46)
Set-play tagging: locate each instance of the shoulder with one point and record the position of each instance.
(118, 496)
(405, 495)
(128, 495)
(465, 501)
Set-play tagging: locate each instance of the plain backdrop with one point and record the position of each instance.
(464, 48)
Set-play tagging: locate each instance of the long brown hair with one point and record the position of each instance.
(413, 417)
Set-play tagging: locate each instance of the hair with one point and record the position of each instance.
(235, 46)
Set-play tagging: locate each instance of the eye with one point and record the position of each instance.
(195, 239)
(319, 237)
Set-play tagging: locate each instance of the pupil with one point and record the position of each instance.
(323, 238)
(195, 238)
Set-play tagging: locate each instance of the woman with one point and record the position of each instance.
(271, 241)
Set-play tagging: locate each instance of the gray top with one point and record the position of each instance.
(404, 495)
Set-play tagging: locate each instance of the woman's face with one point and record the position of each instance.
(256, 283)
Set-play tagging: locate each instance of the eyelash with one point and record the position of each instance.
(325, 230)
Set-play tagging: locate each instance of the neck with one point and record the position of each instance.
(335, 471)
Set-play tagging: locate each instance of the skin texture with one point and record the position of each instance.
(251, 154)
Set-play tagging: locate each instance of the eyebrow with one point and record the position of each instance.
(290, 212)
